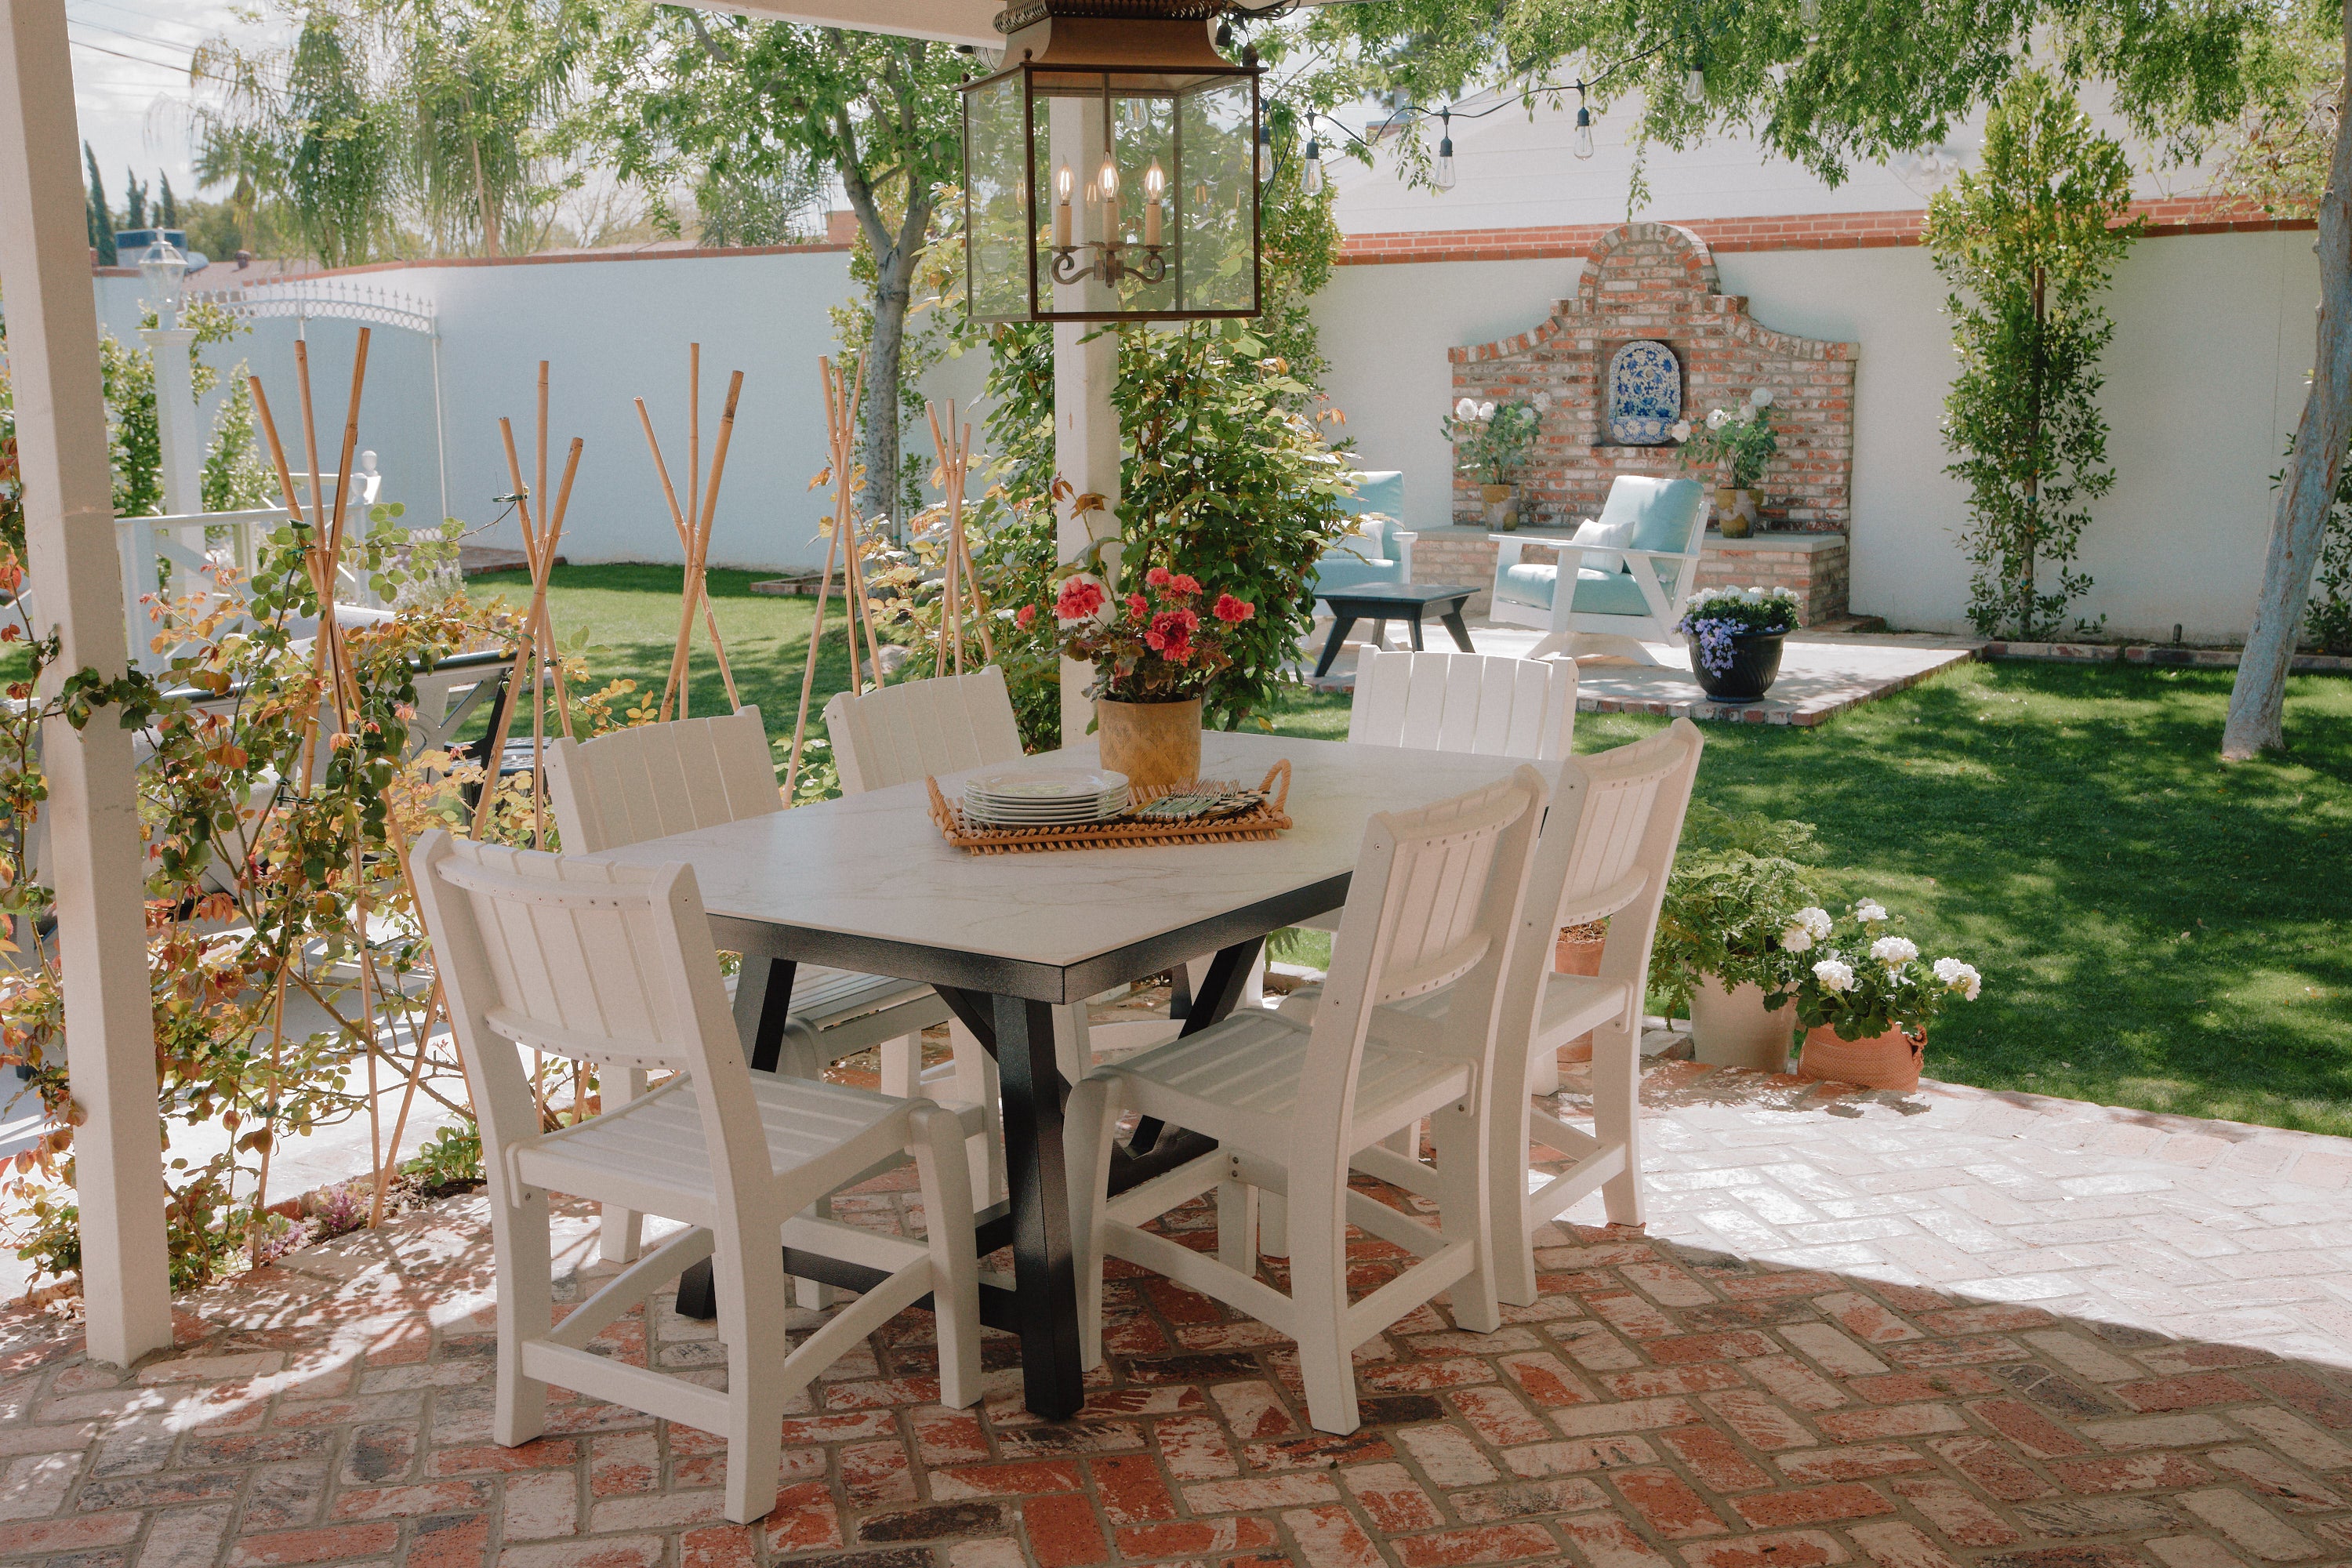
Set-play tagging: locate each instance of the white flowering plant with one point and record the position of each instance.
(1860, 977)
(1713, 618)
(1739, 439)
(1493, 439)
(1735, 893)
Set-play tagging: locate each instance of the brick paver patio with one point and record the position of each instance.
(1951, 1329)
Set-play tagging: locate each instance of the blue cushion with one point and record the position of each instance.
(1663, 512)
(1338, 573)
(1381, 492)
(1597, 592)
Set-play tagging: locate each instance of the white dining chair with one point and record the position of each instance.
(653, 780)
(615, 964)
(1606, 850)
(1434, 908)
(1472, 704)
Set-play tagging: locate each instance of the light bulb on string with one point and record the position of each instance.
(1583, 132)
(1442, 177)
(1265, 153)
(1310, 172)
(1695, 86)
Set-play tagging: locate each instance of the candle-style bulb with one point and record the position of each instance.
(1106, 181)
(1064, 182)
(1155, 182)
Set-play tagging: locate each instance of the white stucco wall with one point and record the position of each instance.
(2204, 383)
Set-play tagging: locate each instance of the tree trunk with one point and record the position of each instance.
(489, 208)
(2258, 700)
(880, 497)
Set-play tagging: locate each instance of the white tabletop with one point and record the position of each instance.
(875, 866)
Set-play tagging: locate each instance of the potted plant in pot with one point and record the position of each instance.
(1491, 443)
(1738, 915)
(1866, 1001)
(1735, 636)
(1737, 441)
(1154, 655)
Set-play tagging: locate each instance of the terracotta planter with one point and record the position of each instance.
(1502, 502)
(1890, 1061)
(1733, 1028)
(1734, 511)
(1578, 951)
(1153, 744)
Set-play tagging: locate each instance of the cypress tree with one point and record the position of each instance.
(101, 222)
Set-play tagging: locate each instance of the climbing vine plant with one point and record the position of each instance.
(2028, 245)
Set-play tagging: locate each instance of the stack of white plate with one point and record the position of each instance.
(1043, 797)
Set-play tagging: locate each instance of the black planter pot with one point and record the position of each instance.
(1755, 665)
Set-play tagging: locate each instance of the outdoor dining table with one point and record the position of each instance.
(867, 883)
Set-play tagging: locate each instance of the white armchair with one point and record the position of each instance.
(1621, 594)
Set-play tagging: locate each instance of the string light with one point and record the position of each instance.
(1584, 125)
(1310, 172)
(1443, 176)
(1265, 153)
(1695, 86)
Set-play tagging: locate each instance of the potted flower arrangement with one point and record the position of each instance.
(1738, 916)
(1491, 443)
(1737, 441)
(1735, 636)
(1866, 1001)
(1154, 654)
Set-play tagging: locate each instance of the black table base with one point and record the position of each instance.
(1041, 1306)
(1380, 609)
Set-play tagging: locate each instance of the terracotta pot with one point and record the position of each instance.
(1733, 1028)
(1734, 511)
(1890, 1061)
(1578, 951)
(1502, 503)
(1153, 744)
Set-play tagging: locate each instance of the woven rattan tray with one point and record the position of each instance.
(1263, 821)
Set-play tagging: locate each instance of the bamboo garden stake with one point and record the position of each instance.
(694, 527)
(844, 545)
(962, 584)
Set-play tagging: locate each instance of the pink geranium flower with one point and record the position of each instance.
(1184, 583)
(1080, 597)
(1025, 617)
(1158, 577)
(1233, 611)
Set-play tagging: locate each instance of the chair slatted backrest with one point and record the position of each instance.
(1487, 705)
(658, 779)
(922, 729)
(1433, 900)
(1606, 866)
(612, 964)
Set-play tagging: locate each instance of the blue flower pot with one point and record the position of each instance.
(1755, 665)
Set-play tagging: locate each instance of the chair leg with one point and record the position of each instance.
(1507, 1221)
(756, 1347)
(1237, 1226)
(1463, 1213)
(1318, 1286)
(941, 1164)
(1088, 1122)
(1617, 1114)
(526, 1309)
(813, 1295)
(621, 1235)
(975, 1083)
(1543, 1071)
(902, 1067)
(1272, 1224)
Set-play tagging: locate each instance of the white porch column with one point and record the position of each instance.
(1086, 367)
(94, 839)
(176, 419)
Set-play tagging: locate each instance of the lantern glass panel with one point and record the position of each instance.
(996, 168)
(1217, 206)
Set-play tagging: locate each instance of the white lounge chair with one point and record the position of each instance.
(1622, 596)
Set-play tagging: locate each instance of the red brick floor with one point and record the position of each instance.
(1948, 1329)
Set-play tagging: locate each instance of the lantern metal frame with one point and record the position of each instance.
(1112, 262)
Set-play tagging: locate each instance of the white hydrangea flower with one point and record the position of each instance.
(1717, 419)
(1682, 431)
(1960, 977)
(1894, 949)
(1816, 922)
(1485, 412)
(1465, 409)
(1796, 938)
(1761, 398)
(1870, 912)
(1835, 975)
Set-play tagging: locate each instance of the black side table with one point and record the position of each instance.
(1381, 604)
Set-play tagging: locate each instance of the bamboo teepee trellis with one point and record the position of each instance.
(847, 544)
(694, 525)
(961, 584)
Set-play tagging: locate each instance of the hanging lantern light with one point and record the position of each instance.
(1443, 175)
(1170, 136)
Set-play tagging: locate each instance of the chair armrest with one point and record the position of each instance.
(1506, 549)
(1400, 543)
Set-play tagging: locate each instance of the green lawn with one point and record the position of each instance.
(2155, 929)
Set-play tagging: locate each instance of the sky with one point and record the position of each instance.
(131, 90)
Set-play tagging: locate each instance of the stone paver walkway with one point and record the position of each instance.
(1951, 1327)
(1821, 673)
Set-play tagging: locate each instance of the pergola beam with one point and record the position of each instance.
(76, 575)
(970, 22)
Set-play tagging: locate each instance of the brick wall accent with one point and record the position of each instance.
(1792, 231)
(1656, 281)
(1814, 567)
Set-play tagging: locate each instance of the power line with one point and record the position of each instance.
(188, 70)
